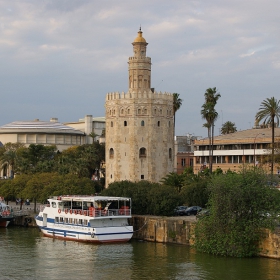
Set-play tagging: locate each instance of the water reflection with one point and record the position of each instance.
(25, 254)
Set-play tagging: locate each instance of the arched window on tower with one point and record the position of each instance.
(139, 111)
(111, 153)
(142, 123)
(142, 152)
(170, 153)
(125, 123)
(112, 124)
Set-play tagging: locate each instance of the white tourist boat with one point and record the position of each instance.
(86, 218)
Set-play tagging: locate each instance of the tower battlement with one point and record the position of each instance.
(141, 94)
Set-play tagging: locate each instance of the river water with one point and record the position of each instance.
(26, 254)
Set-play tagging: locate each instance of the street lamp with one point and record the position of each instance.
(255, 147)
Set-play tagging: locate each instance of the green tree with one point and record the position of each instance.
(269, 111)
(209, 113)
(177, 103)
(147, 198)
(9, 155)
(173, 180)
(83, 160)
(228, 127)
(37, 158)
(19, 184)
(241, 206)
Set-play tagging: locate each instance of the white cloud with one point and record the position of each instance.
(73, 52)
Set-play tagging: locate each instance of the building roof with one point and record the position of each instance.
(139, 38)
(36, 126)
(261, 134)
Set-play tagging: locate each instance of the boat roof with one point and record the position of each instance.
(88, 198)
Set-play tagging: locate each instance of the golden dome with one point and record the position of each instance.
(139, 38)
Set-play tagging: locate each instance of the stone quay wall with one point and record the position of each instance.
(180, 230)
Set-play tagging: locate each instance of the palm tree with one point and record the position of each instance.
(209, 113)
(228, 127)
(177, 102)
(8, 155)
(269, 111)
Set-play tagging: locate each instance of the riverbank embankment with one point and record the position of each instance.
(180, 230)
(176, 230)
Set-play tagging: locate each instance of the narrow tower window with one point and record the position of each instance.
(170, 153)
(125, 123)
(111, 153)
(112, 124)
(142, 123)
(142, 152)
(158, 123)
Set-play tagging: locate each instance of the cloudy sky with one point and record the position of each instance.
(59, 58)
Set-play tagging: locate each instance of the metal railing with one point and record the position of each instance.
(92, 212)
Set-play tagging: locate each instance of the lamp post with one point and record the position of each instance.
(255, 147)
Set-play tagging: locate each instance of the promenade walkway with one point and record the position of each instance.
(25, 210)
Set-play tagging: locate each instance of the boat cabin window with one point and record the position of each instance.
(80, 221)
(61, 219)
(57, 219)
(77, 205)
(53, 204)
(75, 221)
(70, 220)
(85, 222)
(66, 220)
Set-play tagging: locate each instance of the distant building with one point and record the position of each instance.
(139, 125)
(234, 150)
(50, 132)
(184, 152)
(42, 132)
(90, 125)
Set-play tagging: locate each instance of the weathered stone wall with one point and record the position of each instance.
(180, 230)
(270, 245)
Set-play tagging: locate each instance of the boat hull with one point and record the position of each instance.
(89, 234)
(4, 222)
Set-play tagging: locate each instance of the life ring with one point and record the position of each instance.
(59, 210)
(80, 212)
(66, 211)
(70, 211)
(85, 212)
(75, 212)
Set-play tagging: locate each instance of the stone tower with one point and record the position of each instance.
(139, 125)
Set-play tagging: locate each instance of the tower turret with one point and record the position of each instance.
(139, 66)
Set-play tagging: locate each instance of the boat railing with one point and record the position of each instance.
(94, 212)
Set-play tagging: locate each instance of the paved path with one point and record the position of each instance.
(25, 208)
